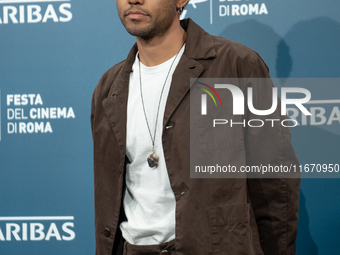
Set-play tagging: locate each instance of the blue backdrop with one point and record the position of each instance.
(54, 52)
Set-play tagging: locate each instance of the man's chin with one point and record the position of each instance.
(145, 33)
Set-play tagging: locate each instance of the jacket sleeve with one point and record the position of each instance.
(275, 200)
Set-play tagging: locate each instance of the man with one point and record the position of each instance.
(145, 200)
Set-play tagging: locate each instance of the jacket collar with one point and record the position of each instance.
(199, 44)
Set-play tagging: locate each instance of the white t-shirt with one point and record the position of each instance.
(149, 201)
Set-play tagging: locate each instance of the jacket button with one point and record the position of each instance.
(107, 232)
(165, 252)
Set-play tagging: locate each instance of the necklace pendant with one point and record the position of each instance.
(153, 160)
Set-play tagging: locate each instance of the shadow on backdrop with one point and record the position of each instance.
(315, 48)
(319, 201)
(305, 243)
(263, 39)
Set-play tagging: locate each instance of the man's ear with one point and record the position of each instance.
(181, 3)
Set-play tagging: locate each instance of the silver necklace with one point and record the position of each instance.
(153, 157)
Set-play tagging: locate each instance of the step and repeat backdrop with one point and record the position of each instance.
(52, 54)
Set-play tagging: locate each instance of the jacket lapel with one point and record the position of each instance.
(199, 46)
(186, 69)
(115, 105)
(115, 108)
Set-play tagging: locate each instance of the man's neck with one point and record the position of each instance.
(160, 49)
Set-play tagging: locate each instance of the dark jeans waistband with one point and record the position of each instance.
(167, 248)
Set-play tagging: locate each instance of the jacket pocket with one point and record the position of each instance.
(230, 230)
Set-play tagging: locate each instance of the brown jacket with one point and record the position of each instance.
(213, 216)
